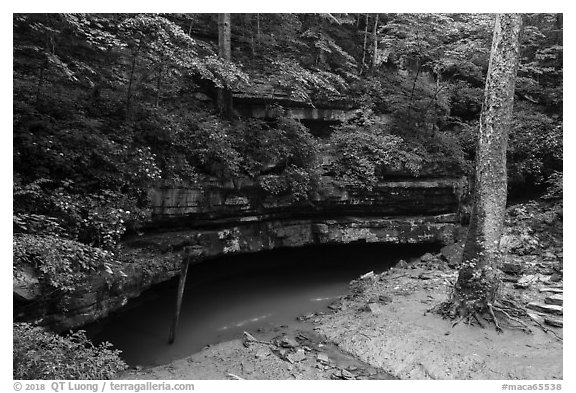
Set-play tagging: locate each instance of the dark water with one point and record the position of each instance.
(227, 296)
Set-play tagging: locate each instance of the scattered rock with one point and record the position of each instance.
(322, 357)
(546, 308)
(302, 336)
(512, 268)
(525, 281)
(337, 305)
(453, 254)
(283, 354)
(427, 257)
(262, 352)
(553, 322)
(552, 289)
(343, 374)
(402, 264)
(288, 342)
(556, 277)
(549, 217)
(306, 317)
(384, 299)
(554, 299)
(374, 308)
(297, 356)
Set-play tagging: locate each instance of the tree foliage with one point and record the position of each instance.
(39, 354)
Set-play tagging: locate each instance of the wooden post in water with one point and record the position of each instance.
(181, 284)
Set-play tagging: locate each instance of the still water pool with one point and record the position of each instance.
(227, 296)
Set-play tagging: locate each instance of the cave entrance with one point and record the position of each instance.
(226, 296)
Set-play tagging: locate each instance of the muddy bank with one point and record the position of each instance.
(286, 352)
(388, 326)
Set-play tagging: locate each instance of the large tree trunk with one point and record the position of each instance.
(225, 52)
(478, 281)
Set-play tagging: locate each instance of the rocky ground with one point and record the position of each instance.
(383, 329)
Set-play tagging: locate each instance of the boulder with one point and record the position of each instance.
(453, 254)
(512, 268)
(402, 264)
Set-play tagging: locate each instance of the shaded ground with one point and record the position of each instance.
(383, 328)
(288, 354)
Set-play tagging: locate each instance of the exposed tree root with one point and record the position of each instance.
(544, 328)
(507, 309)
(494, 319)
(522, 326)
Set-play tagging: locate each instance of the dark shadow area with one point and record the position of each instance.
(229, 295)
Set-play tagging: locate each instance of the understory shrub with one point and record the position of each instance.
(39, 354)
(64, 264)
(535, 149)
(57, 208)
(363, 152)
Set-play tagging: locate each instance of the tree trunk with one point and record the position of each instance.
(478, 281)
(131, 78)
(159, 83)
(225, 53)
(375, 39)
(364, 46)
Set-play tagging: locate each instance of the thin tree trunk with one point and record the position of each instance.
(375, 39)
(413, 89)
(159, 84)
(478, 281)
(258, 29)
(132, 69)
(40, 81)
(225, 53)
(364, 47)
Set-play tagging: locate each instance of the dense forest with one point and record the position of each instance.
(107, 106)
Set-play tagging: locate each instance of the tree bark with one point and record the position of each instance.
(375, 39)
(478, 281)
(364, 46)
(225, 53)
(130, 80)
